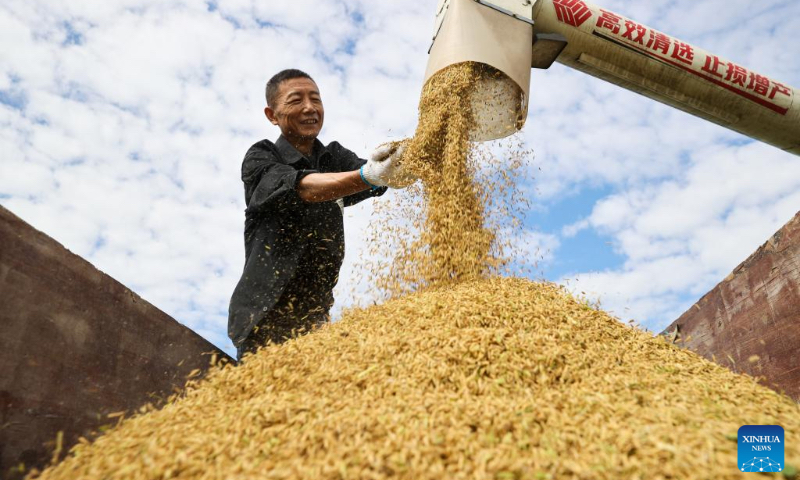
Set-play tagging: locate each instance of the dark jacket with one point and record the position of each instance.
(281, 231)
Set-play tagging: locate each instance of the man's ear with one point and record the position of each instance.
(270, 113)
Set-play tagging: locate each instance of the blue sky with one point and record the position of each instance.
(124, 124)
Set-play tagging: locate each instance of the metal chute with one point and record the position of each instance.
(468, 30)
(514, 35)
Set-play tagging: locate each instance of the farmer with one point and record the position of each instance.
(296, 190)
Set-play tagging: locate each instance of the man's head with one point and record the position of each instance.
(294, 104)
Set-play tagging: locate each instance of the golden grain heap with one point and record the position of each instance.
(478, 378)
(492, 379)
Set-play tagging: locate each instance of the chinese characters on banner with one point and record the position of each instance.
(735, 78)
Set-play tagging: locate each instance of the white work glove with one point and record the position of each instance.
(385, 170)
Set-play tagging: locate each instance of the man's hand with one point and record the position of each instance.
(385, 168)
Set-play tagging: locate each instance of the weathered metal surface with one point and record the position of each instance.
(546, 49)
(76, 345)
(751, 321)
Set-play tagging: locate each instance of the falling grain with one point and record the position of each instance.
(454, 224)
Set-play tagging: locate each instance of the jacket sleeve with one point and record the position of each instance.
(270, 184)
(348, 162)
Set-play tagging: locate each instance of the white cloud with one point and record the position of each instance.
(137, 114)
(682, 236)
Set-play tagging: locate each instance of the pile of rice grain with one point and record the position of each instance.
(479, 378)
(493, 379)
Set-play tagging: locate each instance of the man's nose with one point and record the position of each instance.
(308, 106)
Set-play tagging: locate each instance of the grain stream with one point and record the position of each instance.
(455, 224)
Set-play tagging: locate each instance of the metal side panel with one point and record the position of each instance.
(75, 346)
(749, 322)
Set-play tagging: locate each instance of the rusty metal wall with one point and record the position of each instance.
(750, 322)
(76, 345)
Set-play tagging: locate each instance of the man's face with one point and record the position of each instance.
(298, 109)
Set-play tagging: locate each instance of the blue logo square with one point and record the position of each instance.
(761, 448)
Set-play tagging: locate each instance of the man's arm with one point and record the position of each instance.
(323, 187)
(381, 170)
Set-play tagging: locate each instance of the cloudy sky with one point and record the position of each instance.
(123, 125)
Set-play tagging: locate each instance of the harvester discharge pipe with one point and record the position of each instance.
(611, 47)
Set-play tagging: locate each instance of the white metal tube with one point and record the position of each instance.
(624, 52)
(472, 31)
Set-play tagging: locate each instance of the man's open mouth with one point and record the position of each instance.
(310, 122)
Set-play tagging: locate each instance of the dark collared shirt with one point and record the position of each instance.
(286, 238)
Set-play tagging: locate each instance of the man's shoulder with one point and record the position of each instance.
(258, 156)
(336, 148)
(344, 160)
(261, 148)
(338, 151)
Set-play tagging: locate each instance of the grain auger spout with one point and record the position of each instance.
(510, 35)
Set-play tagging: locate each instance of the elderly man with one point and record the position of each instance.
(296, 190)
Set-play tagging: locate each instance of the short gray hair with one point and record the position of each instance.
(280, 77)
